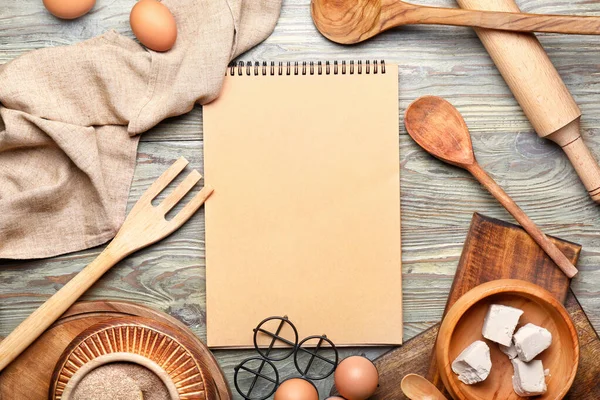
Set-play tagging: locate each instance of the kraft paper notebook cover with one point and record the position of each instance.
(305, 217)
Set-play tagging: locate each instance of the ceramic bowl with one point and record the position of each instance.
(172, 358)
(463, 325)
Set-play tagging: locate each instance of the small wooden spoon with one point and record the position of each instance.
(415, 387)
(439, 128)
(353, 21)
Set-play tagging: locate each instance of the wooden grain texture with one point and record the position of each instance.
(510, 255)
(145, 224)
(352, 21)
(539, 89)
(22, 382)
(440, 130)
(437, 201)
(413, 357)
(418, 387)
(463, 325)
(484, 258)
(588, 169)
(497, 250)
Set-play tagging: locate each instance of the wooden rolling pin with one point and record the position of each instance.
(540, 91)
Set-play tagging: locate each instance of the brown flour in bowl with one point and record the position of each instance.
(121, 381)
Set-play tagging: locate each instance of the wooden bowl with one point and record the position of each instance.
(167, 354)
(463, 324)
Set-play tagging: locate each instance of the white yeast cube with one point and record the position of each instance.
(530, 340)
(473, 364)
(500, 323)
(529, 378)
(510, 351)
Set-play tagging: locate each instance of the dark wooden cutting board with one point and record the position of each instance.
(496, 250)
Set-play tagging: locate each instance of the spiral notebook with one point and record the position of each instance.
(305, 217)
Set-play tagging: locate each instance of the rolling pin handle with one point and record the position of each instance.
(569, 138)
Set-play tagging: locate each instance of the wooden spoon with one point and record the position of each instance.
(439, 128)
(415, 387)
(353, 21)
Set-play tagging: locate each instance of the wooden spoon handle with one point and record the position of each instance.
(41, 319)
(540, 238)
(521, 22)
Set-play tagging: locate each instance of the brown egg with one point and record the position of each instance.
(296, 389)
(335, 398)
(69, 9)
(153, 24)
(356, 378)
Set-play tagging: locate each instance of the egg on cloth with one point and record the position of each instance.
(153, 24)
(296, 389)
(356, 378)
(69, 9)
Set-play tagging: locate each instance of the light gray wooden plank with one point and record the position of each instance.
(437, 200)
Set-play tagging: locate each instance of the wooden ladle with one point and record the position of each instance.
(353, 21)
(415, 387)
(439, 128)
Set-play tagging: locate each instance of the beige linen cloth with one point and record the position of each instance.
(72, 118)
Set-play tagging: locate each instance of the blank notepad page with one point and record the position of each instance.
(305, 217)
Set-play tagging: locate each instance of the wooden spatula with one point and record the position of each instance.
(439, 128)
(145, 224)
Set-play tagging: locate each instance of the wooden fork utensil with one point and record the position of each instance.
(146, 224)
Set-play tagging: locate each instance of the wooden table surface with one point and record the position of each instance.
(437, 200)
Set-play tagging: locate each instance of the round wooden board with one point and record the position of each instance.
(28, 377)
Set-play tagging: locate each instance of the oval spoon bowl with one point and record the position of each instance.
(416, 387)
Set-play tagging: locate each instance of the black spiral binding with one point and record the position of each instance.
(306, 68)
